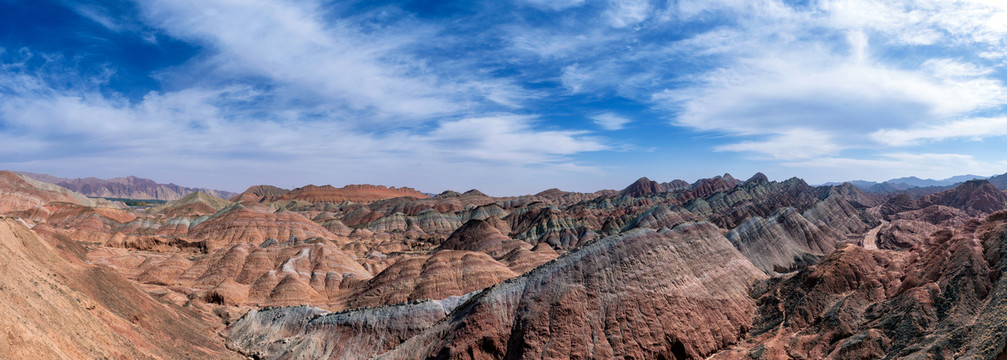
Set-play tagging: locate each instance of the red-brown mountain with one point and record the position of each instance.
(354, 193)
(974, 196)
(642, 187)
(261, 193)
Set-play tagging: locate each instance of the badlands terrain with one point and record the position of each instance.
(720, 268)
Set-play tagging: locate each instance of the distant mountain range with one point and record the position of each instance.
(130, 187)
(920, 187)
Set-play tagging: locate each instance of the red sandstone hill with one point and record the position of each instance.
(261, 193)
(246, 225)
(354, 193)
(53, 305)
(18, 193)
(975, 197)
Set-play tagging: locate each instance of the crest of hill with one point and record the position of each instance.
(974, 196)
(553, 193)
(642, 187)
(354, 193)
(261, 193)
(1000, 181)
(197, 203)
(129, 187)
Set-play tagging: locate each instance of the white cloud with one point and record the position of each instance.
(792, 144)
(626, 13)
(887, 166)
(575, 77)
(813, 68)
(289, 43)
(969, 129)
(787, 90)
(507, 138)
(95, 13)
(610, 121)
(951, 69)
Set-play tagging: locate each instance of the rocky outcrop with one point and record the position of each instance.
(546, 224)
(810, 314)
(312, 333)
(943, 298)
(594, 303)
(904, 234)
(443, 274)
(659, 217)
(782, 242)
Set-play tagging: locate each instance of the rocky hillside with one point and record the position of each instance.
(719, 268)
(54, 305)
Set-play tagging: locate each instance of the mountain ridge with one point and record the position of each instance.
(128, 187)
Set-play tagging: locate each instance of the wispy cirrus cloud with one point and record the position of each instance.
(278, 85)
(292, 45)
(973, 129)
(826, 68)
(610, 121)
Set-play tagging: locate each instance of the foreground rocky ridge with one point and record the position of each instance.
(721, 267)
(54, 305)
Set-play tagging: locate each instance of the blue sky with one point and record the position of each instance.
(510, 97)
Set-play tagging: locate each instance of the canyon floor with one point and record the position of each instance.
(720, 268)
